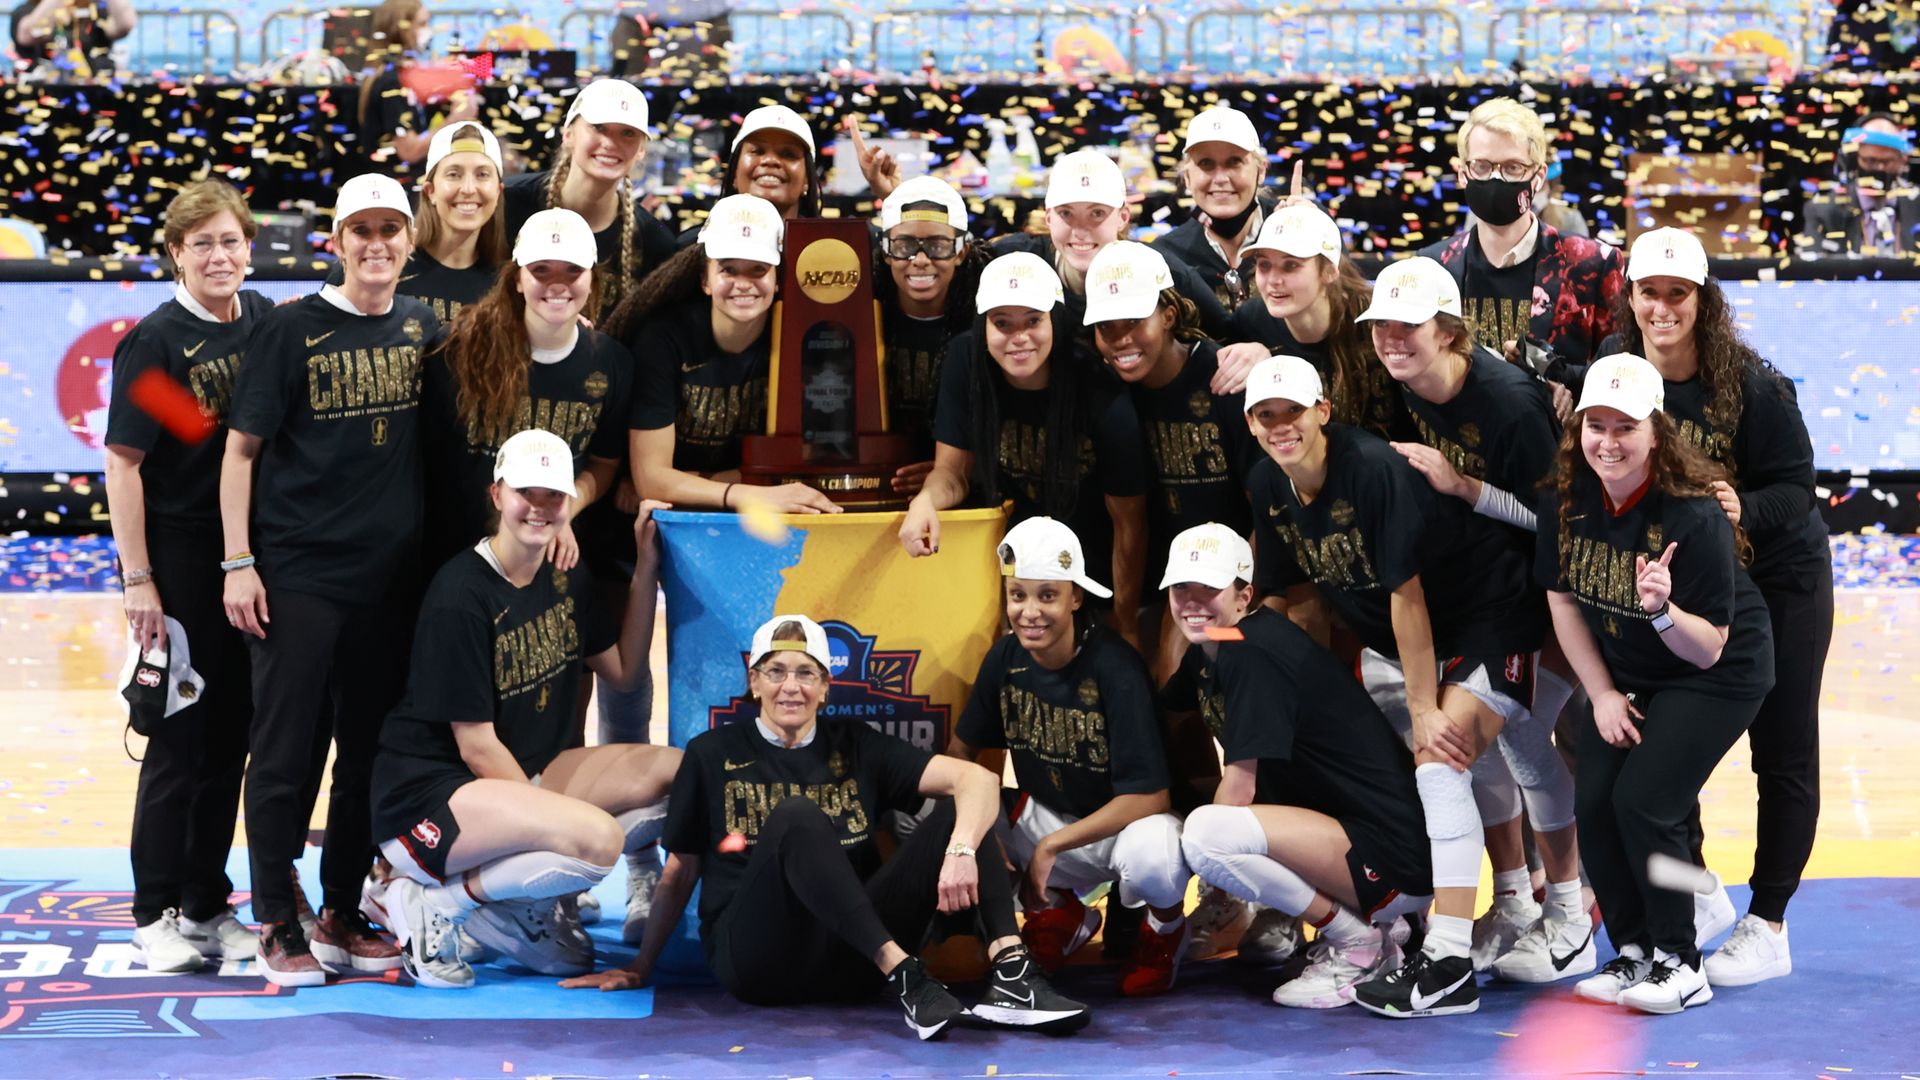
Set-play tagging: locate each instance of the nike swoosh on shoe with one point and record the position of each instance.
(1422, 1002)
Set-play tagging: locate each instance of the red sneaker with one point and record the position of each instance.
(285, 959)
(1156, 962)
(302, 911)
(344, 940)
(1052, 934)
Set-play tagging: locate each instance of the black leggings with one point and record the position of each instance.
(1785, 740)
(188, 799)
(803, 927)
(1636, 802)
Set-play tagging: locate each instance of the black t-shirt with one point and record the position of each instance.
(1200, 451)
(526, 195)
(1279, 699)
(1498, 300)
(1078, 736)
(915, 347)
(1771, 457)
(181, 482)
(443, 288)
(1112, 458)
(336, 493)
(585, 398)
(712, 399)
(1499, 428)
(732, 777)
(1382, 411)
(1214, 318)
(1377, 523)
(485, 651)
(1600, 552)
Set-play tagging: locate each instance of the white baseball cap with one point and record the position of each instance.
(1087, 176)
(1285, 378)
(743, 227)
(779, 118)
(370, 191)
(1667, 252)
(1124, 282)
(609, 101)
(535, 459)
(1626, 382)
(463, 138)
(812, 641)
(1018, 279)
(1222, 123)
(1301, 230)
(1043, 549)
(1412, 291)
(559, 234)
(1211, 555)
(924, 189)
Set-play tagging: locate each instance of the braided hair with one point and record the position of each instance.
(608, 289)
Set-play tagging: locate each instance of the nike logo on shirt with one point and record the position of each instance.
(188, 353)
(731, 766)
(312, 341)
(1422, 1002)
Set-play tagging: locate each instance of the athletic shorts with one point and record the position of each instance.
(1501, 683)
(421, 852)
(1375, 891)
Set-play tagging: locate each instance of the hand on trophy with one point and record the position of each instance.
(786, 499)
(909, 479)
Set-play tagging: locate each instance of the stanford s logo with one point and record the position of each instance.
(1516, 667)
(380, 431)
(427, 833)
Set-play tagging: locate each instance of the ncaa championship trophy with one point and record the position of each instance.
(826, 389)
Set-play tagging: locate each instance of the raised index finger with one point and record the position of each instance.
(1298, 163)
(853, 130)
(1666, 557)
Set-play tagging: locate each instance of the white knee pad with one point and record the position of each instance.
(1152, 866)
(1541, 772)
(537, 875)
(1226, 846)
(642, 825)
(1453, 825)
(1494, 791)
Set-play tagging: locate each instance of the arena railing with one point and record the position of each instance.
(294, 30)
(764, 40)
(201, 41)
(1323, 40)
(1573, 39)
(967, 43)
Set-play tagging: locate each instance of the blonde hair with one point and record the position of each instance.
(609, 289)
(1505, 116)
(200, 201)
(490, 248)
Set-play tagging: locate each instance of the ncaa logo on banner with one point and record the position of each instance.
(865, 683)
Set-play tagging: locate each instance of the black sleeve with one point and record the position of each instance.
(616, 412)
(390, 112)
(1214, 318)
(1401, 506)
(264, 387)
(895, 766)
(981, 724)
(1528, 446)
(655, 242)
(1138, 764)
(656, 389)
(139, 352)
(1119, 446)
(1182, 692)
(1260, 704)
(953, 407)
(687, 831)
(1546, 543)
(599, 623)
(1774, 455)
(1703, 564)
(451, 680)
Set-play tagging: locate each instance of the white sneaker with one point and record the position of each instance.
(1497, 931)
(161, 947)
(1273, 937)
(1753, 954)
(1622, 972)
(471, 951)
(1712, 913)
(1550, 950)
(1673, 985)
(223, 937)
(373, 900)
(428, 938)
(643, 876)
(527, 933)
(589, 906)
(1331, 973)
(573, 931)
(1219, 922)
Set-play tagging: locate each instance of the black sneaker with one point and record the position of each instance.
(1423, 986)
(929, 1008)
(1018, 995)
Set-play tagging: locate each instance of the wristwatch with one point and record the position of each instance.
(960, 849)
(1663, 619)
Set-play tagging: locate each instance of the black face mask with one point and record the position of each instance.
(1883, 181)
(1499, 202)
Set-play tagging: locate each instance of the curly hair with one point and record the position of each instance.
(1679, 469)
(676, 281)
(609, 289)
(1724, 356)
(488, 353)
(1068, 419)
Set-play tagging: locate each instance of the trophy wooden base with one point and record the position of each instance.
(865, 482)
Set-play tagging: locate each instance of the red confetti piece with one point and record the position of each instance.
(733, 844)
(173, 405)
(1225, 633)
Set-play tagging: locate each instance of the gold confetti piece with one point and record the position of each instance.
(736, 1049)
(993, 1070)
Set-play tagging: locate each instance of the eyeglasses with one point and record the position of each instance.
(232, 245)
(904, 248)
(1510, 171)
(807, 677)
(1236, 289)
